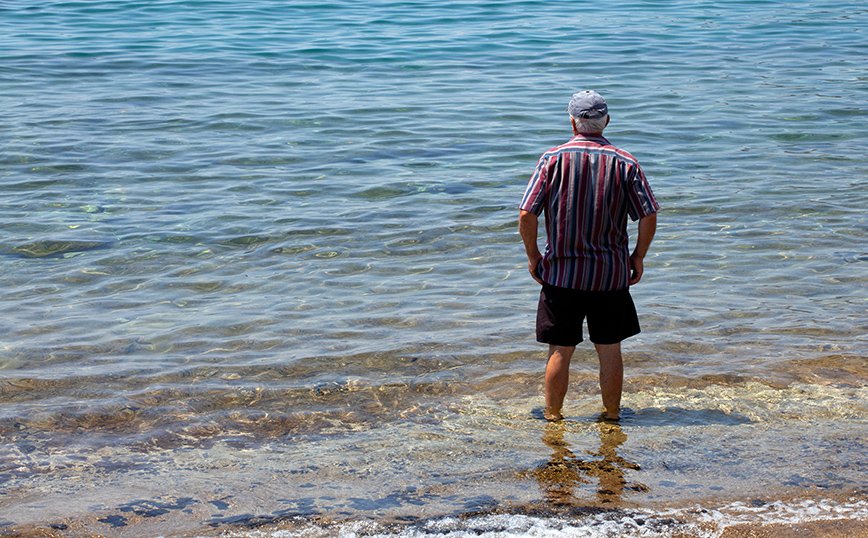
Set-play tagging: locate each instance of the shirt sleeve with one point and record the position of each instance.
(534, 196)
(640, 198)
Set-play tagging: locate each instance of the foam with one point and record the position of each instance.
(696, 522)
(787, 512)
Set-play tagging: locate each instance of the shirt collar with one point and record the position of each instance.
(592, 137)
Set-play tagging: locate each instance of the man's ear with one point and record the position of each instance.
(573, 123)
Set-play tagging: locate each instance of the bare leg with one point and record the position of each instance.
(611, 378)
(557, 380)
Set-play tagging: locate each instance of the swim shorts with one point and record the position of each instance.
(611, 316)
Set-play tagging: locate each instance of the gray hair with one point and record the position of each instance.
(591, 125)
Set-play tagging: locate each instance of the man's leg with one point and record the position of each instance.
(557, 380)
(611, 378)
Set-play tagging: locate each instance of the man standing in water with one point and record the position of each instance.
(587, 188)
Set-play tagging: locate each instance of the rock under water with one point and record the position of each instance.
(47, 247)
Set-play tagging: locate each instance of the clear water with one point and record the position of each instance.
(260, 261)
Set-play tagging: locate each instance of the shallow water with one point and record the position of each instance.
(261, 263)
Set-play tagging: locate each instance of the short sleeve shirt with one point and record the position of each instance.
(587, 188)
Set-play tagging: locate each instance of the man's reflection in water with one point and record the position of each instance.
(565, 472)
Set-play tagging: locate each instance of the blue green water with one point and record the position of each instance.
(263, 256)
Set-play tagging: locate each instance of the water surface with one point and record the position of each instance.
(261, 265)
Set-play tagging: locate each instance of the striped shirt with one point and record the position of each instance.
(587, 188)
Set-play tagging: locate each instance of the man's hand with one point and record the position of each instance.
(647, 228)
(637, 266)
(533, 267)
(527, 228)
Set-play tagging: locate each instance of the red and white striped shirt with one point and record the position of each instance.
(587, 188)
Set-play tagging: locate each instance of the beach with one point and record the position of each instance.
(692, 456)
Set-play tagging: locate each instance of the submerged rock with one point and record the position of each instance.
(47, 247)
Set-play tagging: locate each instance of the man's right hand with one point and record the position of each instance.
(533, 267)
(528, 223)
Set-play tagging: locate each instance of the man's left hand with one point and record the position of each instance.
(637, 265)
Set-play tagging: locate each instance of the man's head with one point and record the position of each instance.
(588, 112)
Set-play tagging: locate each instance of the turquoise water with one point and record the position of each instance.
(260, 262)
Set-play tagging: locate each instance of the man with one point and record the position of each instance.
(587, 189)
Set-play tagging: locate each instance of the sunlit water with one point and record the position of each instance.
(260, 266)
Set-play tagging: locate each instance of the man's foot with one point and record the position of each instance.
(553, 415)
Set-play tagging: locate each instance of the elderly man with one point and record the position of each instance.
(587, 188)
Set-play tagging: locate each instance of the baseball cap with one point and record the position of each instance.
(588, 104)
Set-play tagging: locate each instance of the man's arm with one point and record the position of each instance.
(528, 224)
(647, 228)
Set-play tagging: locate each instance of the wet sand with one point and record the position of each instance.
(839, 528)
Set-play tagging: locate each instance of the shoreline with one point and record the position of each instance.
(826, 518)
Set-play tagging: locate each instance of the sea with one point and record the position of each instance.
(261, 272)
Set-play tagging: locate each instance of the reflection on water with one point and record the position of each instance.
(565, 472)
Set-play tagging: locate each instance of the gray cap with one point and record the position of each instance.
(588, 104)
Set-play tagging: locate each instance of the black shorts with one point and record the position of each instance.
(611, 316)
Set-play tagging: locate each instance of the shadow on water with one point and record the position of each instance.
(677, 416)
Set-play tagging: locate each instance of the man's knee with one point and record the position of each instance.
(608, 351)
